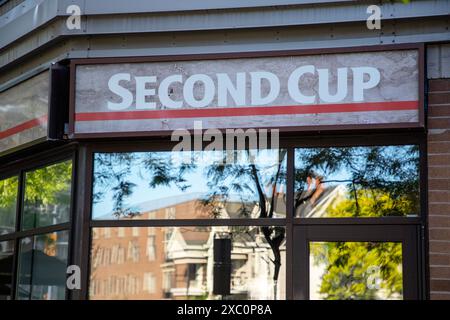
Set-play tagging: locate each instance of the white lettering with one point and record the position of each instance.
(208, 94)
(225, 86)
(358, 81)
(294, 90)
(200, 90)
(163, 91)
(125, 94)
(142, 93)
(274, 85)
(324, 90)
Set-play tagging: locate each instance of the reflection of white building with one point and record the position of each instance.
(232, 208)
(317, 207)
(6, 229)
(252, 268)
(177, 262)
(330, 197)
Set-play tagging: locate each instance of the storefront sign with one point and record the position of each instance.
(295, 92)
(24, 112)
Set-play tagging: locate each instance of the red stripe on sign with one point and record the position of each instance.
(247, 111)
(23, 126)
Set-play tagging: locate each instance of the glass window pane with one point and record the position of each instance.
(42, 267)
(355, 271)
(181, 185)
(8, 200)
(6, 269)
(47, 195)
(188, 263)
(357, 181)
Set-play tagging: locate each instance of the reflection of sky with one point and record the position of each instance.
(359, 157)
(196, 179)
(265, 161)
(142, 192)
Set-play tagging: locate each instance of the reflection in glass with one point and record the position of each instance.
(355, 271)
(188, 263)
(47, 195)
(24, 102)
(181, 185)
(6, 269)
(8, 201)
(357, 181)
(42, 267)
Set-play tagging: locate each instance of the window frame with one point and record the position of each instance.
(20, 168)
(358, 233)
(290, 141)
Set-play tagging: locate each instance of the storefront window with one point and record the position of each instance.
(357, 181)
(41, 252)
(8, 199)
(42, 266)
(181, 185)
(47, 196)
(188, 263)
(6, 269)
(356, 270)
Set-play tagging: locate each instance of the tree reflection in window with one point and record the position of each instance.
(184, 265)
(47, 195)
(125, 182)
(357, 181)
(356, 270)
(8, 199)
(253, 186)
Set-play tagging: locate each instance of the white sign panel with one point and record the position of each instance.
(296, 92)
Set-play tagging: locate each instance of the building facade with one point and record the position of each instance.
(260, 149)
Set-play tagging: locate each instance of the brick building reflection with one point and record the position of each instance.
(177, 262)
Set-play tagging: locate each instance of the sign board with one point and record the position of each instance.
(24, 113)
(288, 91)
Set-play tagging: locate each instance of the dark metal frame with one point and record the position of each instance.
(18, 169)
(348, 138)
(57, 95)
(80, 224)
(374, 233)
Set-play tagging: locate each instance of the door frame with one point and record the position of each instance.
(408, 235)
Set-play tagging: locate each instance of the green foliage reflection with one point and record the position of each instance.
(357, 181)
(357, 270)
(8, 200)
(47, 195)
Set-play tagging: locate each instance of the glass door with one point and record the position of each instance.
(355, 262)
